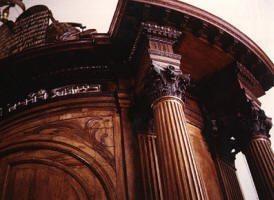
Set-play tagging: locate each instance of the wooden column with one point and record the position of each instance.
(229, 180)
(180, 177)
(260, 159)
(150, 167)
(259, 154)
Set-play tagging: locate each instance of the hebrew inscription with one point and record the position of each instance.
(43, 95)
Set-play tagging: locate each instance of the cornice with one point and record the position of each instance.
(117, 17)
(215, 21)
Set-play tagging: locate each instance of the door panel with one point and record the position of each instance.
(47, 174)
(39, 181)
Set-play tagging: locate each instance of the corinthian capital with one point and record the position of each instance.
(257, 123)
(166, 81)
(261, 124)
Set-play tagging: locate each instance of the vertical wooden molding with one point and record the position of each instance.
(150, 167)
(129, 149)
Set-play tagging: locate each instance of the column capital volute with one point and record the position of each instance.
(165, 82)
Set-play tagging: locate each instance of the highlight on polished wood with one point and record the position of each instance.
(157, 108)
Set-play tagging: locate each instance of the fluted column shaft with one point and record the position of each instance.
(150, 167)
(179, 172)
(260, 159)
(229, 180)
(257, 148)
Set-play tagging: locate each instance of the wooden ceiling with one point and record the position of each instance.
(200, 59)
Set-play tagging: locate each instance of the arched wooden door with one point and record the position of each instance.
(61, 159)
(40, 179)
(43, 170)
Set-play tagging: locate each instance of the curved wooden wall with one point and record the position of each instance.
(67, 149)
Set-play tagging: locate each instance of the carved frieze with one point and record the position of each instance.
(166, 81)
(160, 40)
(161, 32)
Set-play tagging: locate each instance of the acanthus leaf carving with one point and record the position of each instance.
(256, 123)
(166, 81)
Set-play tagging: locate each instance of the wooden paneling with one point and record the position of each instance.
(202, 155)
(129, 151)
(193, 113)
(43, 179)
(69, 152)
(205, 163)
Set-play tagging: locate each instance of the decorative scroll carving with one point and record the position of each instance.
(101, 137)
(97, 131)
(166, 82)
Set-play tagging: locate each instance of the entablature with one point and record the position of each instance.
(208, 43)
